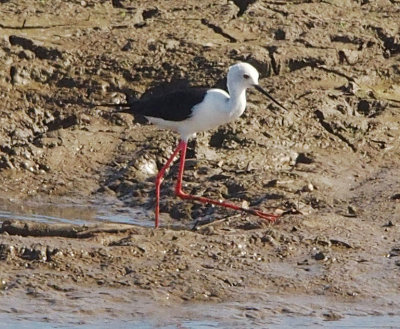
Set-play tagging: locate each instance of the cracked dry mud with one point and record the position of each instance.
(334, 157)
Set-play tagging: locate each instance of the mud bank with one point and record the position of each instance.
(333, 159)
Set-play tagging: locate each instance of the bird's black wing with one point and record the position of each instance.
(174, 106)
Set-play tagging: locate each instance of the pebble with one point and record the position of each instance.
(352, 211)
(171, 44)
(389, 224)
(395, 196)
(308, 188)
(320, 256)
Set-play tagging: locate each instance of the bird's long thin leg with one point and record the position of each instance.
(159, 179)
(182, 195)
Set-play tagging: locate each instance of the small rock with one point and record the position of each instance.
(363, 106)
(280, 34)
(3, 284)
(171, 44)
(395, 196)
(388, 224)
(351, 211)
(305, 158)
(127, 46)
(208, 45)
(394, 252)
(6, 251)
(319, 256)
(245, 204)
(308, 188)
(35, 252)
(28, 165)
(340, 243)
(150, 13)
(271, 183)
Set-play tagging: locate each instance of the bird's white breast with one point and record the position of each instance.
(215, 110)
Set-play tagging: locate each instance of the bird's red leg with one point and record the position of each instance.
(159, 179)
(178, 190)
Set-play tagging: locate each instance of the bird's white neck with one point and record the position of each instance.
(237, 102)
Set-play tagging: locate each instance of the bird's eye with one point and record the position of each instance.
(246, 76)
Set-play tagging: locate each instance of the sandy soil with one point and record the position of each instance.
(332, 160)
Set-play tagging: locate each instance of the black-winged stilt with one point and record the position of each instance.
(194, 110)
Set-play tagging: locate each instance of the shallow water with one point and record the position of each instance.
(74, 213)
(350, 322)
(102, 309)
(280, 322)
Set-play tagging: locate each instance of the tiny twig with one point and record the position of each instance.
(199, 224)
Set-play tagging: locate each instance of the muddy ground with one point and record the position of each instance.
(332, 160)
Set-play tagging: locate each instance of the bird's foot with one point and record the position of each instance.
(269, 217)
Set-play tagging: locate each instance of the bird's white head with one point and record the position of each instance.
(241, 76)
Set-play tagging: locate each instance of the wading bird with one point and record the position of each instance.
(193, 110)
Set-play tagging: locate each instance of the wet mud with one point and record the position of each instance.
(331, 161)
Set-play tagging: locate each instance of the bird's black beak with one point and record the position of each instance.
(269, 96)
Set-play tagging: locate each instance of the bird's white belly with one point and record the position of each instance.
(213, 111)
